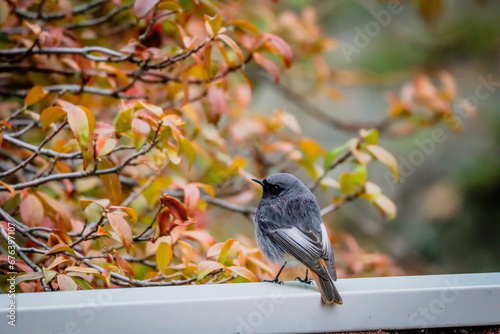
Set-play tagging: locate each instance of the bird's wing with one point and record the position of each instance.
(327, 254)
(305, 247)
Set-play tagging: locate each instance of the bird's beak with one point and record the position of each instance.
(258, 181)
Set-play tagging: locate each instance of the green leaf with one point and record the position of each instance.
(370, 136)
(213, 24)
(163, 256)
(206, 267)
(123, 120)
(48, 274)
(82, 283)
(188, 149)
(333, 155)
(350, 181)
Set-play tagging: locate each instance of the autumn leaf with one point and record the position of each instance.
(228, 252)
(142, 7)
(50, 115)
(206, 267)
(124, 265)
(280, 48)
(191, 198)
(213, 24)
(121, 228)
(163, 256)
(31, 210)
(34, 95)
(385, 157)
(268, 65)
(66, 283)
(111, 182)
(177, 209)
(243, 272)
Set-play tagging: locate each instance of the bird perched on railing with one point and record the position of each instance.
(289, 229)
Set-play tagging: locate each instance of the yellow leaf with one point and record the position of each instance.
(386, 206)
(385, 157)
(229, 251)
(163, 256)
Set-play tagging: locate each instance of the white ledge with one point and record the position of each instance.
(369, 304)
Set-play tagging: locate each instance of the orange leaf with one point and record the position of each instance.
(34, 95)
(124, 265)
(50, 115)
(243, 272)
(111, 182)
(122, 229)
(232, 44)
(9, 187)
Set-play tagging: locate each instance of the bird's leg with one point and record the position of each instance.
(305, 280)
(275, 280)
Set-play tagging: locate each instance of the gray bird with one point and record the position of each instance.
(289, 228)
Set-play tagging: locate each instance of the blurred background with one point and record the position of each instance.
(448, 198)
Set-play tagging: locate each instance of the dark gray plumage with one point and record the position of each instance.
(288, 222)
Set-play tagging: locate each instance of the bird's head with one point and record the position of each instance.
(277, 184)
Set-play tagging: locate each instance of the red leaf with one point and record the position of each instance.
(280, 47)
(31, 210)
(268, 65)
(165, 221)
(217, 104)
(177, 209)
(191, 197)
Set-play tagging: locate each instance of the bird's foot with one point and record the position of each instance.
(306, 280)
(274, 280)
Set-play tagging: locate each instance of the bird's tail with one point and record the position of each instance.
(329, 292)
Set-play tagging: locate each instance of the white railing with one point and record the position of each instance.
(369, 304)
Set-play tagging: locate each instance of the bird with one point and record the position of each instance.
(289, 230)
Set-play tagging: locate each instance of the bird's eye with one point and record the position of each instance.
(275, 189)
